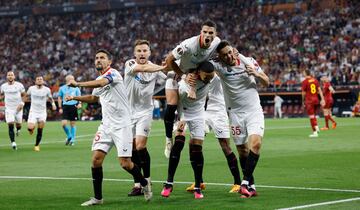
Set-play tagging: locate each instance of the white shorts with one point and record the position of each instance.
(196, 128)
(244, 124)
(122, 138)
(141, 126)
(37, 117)
(13, 116)
(218, 122)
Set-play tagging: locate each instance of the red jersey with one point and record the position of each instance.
(310, 86)
(326, 91)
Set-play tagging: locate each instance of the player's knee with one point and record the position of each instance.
(224, 143)
(11, 126)
(126, 163)
(140, 143)
(243, 150)
(256, 145)
(97, 161)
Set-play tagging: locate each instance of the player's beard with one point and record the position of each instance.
(99, 67)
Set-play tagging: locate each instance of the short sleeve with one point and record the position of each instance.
(78, 93)
(180, 50)
(22, 89)
(130, 66)
(29, 91)
(113, 76)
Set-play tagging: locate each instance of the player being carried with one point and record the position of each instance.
(183, 59)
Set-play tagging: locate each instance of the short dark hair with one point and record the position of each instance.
(206, 66)
(142, 41)
(222, 44)
(108, 54)
(209, 23)
(307, 72)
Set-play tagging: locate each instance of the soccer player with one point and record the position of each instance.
(39, 94)
(310, 89)
(192, 111)
(68, 109)
(277, 106)
(140, 78)
(328, 91)
(183, 59)
(115, 128)
(13, 92)
(238, 76)
(216, 119)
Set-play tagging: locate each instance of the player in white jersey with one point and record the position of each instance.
(216, 119)
(242, 100)
(140, 78)
(192, 113)
(115, 128)
(183, 59)
(39, 94)
(13, 92)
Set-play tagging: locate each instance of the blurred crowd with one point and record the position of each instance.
(325, 41)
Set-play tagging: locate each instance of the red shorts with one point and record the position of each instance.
(328, 104)
(311, 109)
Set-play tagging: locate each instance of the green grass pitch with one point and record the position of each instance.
(294, 170)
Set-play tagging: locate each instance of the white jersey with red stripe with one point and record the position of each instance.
(189, 53)
(38, 98)
(12, 94)
(239, 88)
(114, 102)
(140, 89)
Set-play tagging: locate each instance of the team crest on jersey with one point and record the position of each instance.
(180, 51)
(131, 63)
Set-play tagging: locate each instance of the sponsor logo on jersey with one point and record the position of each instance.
(180, 51)
(137, 78)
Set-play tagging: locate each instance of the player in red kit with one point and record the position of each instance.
(310, 89)
(328, 90)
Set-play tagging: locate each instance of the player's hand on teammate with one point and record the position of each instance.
(69, 98)
(250, 69)
(72, 83)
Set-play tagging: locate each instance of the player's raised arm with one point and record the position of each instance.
(85, 98)
(149, 67)
(91, 84)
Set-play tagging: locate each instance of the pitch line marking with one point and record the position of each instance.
(321, 204)
(183, 182)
